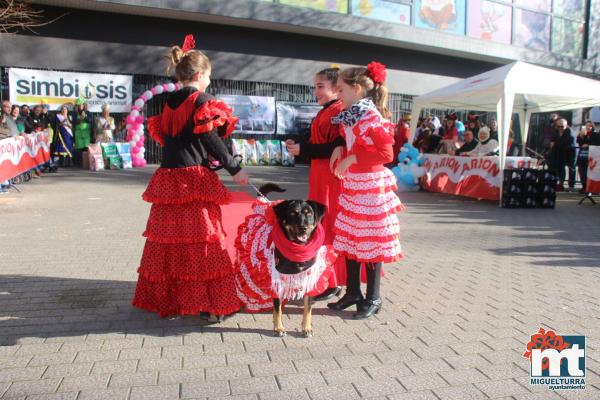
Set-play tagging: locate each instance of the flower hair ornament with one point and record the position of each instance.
(188, 43)
(376, 72)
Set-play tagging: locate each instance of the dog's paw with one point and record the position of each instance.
(307, 333)
(279, 333)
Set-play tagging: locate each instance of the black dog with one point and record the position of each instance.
(298, 220)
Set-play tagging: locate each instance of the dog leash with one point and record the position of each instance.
(256, 190)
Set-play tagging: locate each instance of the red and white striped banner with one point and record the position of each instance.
(477, 177)
(21, 153)
(593, 172)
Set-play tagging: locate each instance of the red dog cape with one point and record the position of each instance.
(257, 280)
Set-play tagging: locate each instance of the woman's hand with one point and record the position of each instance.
(335, 157)
(241, 178)
(293, 149)
(343, 166)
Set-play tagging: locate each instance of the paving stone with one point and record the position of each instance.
(160, 364)
(21, 374)
(146, 378)
(415, 383)
(247, 358)
(27, 388)
(52, 359)
(208, 361)
(420, 395)
(419, 367)
(165, 392)
(319, 364)
(363, 360)
(506, 387)
(294, 394)
(108, 394)
(64, 370)
(381, 387)
(347, 375)
(54, 396)
(99, 381)
(254, 385)
(140, 353)
(227, 373)
(466, 392)
(204, 389)
(342, 392)
(300, 380)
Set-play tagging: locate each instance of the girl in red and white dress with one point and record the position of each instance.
(366, 227)
(323, 186)
(185, 267)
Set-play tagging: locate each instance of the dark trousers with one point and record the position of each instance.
(582, 166)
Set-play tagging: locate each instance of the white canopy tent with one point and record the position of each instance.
(518, 87)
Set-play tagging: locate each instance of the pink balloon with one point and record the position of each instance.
(130, 119)
(135, 126)
(165, 86)
(153, 91)
(139, 119)
(134, 107)
(143, 163)
(139, 144)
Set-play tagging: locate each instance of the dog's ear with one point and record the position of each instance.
(319, 210)
(281, 209)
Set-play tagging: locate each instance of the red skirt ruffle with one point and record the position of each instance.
(184, 185)
(366, 227)
(185, 267)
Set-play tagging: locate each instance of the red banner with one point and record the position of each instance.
(21, 153)
(593, 172)
(477, 177)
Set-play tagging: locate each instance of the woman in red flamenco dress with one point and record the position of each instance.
(323, 186)
(185, 267)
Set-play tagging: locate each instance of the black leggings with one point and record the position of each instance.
(373, 279)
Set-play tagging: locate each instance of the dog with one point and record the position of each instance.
(298, 222)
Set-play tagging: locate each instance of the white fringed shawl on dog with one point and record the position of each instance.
(257, 280)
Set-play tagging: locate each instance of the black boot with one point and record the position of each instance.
(353, 294)
(372, 304)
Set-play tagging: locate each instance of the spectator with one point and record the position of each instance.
(561, 152)
(469, 145)
(487, 145)
(15, 114)
(64, 145)
(494, 129)
(450, 132)
(105, 125)
(473, 123)
(8, 121)
(401, 136)
(25, 111)
(587, 137)
(37, 121)
(83, 129)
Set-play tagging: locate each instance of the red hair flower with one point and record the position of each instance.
(188, 43)
(376, 71)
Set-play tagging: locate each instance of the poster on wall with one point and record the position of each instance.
(389, 11)
(532, 30)
(256, 113)
(340, 6)
(295, 118)
(442, 15)
(567, 37)
(489, 21)
(538, 5)
(58, 88)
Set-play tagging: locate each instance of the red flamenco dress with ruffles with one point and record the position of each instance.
(366, 228)
(185, 267)
(323, 186)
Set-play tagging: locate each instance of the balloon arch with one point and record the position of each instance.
(135, 122)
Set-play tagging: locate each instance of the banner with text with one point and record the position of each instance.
(57, 88)
(21, 153)
(477, 177)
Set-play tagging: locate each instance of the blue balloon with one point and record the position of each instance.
(408, 158)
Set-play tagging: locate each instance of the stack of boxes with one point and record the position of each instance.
(529, 188)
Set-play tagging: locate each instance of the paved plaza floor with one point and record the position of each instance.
(476, 283)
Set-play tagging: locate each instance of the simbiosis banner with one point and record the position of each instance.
(34, 86)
